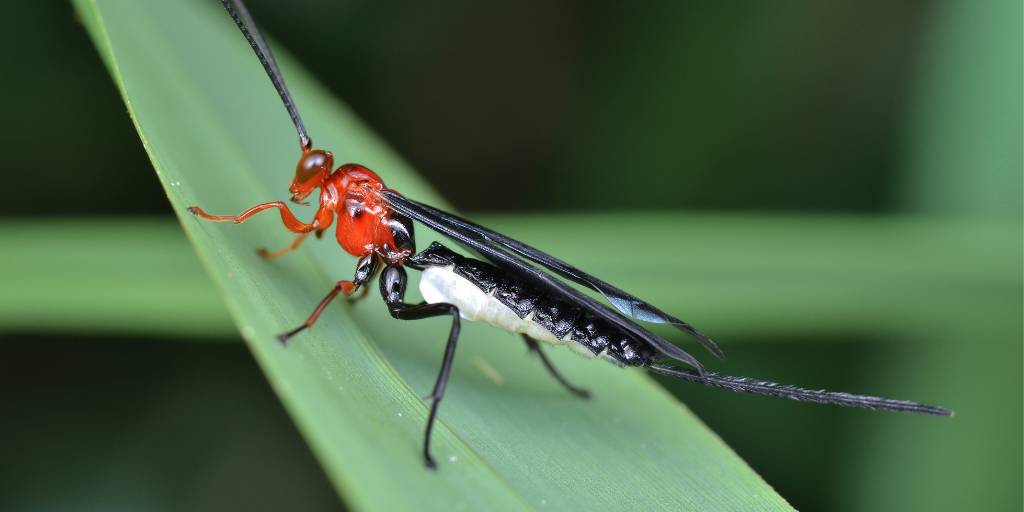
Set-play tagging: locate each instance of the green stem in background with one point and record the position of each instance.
(738, 275)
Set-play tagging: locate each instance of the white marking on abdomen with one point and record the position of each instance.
(442, 284)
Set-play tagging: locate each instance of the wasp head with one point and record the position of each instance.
(314, 166)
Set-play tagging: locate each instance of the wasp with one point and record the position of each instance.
(513, 287)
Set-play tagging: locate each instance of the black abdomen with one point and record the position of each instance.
(560, 317)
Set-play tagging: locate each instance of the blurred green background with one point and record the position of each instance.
(885, 134)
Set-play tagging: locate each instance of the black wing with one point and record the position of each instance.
(467, 237)
(626, 303)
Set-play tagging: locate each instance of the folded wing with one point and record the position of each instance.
(480, 240)
(626, 303)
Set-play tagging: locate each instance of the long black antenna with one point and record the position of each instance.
(252, 34)
(758, 387)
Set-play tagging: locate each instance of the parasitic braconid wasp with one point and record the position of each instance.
(504, 289)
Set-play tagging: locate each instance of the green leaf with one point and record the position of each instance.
(509, 437)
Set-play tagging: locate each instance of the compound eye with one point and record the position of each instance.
(312, 163)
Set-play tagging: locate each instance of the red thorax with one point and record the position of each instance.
(353, 193)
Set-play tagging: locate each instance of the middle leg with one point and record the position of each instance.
(392, 288)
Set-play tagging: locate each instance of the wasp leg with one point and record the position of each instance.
(268, 255)
(364, 270)
(287, 217)
(362, 295)
(535, 347)
(392, 288)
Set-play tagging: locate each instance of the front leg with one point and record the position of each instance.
(364, 271)
(392, 288)
(287, 217)
(271, 255)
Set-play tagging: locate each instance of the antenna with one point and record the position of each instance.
(252, 34)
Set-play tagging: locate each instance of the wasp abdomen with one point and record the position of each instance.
(487, 293)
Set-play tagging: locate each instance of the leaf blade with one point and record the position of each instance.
(172, 61)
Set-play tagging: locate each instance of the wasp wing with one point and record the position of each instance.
(628, 304)
(478, 243)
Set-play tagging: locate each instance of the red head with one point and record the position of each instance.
(313, 168)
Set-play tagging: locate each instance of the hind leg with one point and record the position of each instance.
(535, 347)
